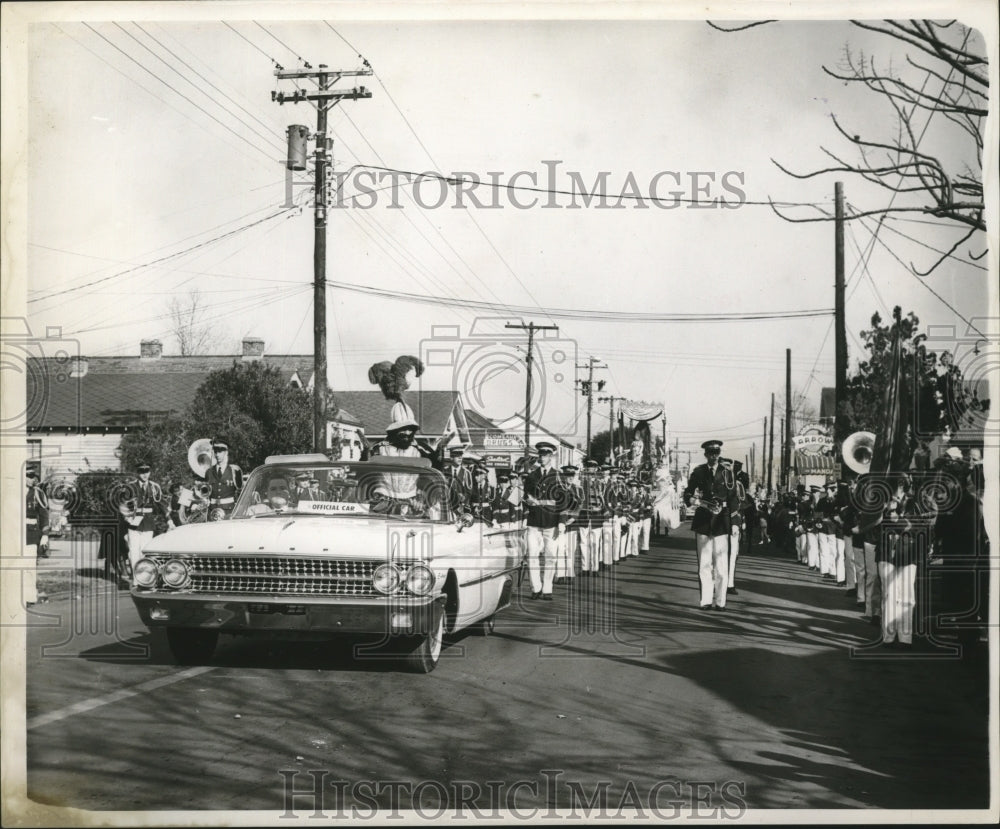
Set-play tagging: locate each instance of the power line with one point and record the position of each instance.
(570, 313)
(171, 87)
(228, 97)
(907, 268)
(162, 258)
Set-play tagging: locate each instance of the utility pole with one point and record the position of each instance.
(531, 328)
(324, 99)
(588, 390)
(840, 340)
(763, 456)
(786, 448)
(781, 476)
(611, 425)
(770, 452)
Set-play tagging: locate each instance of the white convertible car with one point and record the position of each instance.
(316, 548)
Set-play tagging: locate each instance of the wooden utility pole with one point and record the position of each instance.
(763, 455)
(770, 450)
(531, 328)
(588, 390)
(611, 424)
(324, 99)
(840, 340)
(786, 448)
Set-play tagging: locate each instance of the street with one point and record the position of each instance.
(621, 685)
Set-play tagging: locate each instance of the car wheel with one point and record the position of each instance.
(192, 646)
(488, 625)
(424, 657)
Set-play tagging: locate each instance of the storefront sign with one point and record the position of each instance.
(501, 440)
(813, 440)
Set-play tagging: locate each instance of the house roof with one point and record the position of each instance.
(433, 409)
(122, 392)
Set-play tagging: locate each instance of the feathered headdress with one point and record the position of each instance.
(393, 379)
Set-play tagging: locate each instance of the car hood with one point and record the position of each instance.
(290, 534)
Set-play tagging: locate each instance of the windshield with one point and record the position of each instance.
(344, 490)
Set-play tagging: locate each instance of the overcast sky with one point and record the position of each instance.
(127, 166)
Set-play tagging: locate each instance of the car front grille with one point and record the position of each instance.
(278, 575)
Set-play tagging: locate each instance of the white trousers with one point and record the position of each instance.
(713, 568)
(541, 559)
(137, 542)
(609, 541)
(827, 553)
(623, 539)
(566, 547)
(590, 547)
(734, 551)
(812, 550)
(846, 551)
(860, 570)
(802, 547)
(633, 538)
(644, 526)
(29, 574)
(898, 600)
(873, 587)
(840, 561)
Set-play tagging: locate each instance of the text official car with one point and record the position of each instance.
(315, 548)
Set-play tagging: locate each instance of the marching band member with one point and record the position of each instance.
(615, 494)
(544, 521)
(736, 515)
(632, 511)
(569, 538)
(645, 516)
(897, 554)
(139, 513)
(224, 478)
(591, 519)
(36, 514)
(609, 539)
(844, 560)
(618, 501)
(501, 507)
(813, 523)
(803, 511)
(711, 524)
(826, 531)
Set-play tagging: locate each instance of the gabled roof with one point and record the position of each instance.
(123, 392)
(433, 410)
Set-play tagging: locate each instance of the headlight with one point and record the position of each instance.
(175, 573)
(420, 579)
(145, 572)
(385, 579)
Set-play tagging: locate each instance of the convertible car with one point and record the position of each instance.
(316, 548)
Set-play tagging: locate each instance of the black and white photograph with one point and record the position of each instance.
(498, 413)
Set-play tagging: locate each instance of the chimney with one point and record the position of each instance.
(150, 350)
(78, 367)
(253, 348)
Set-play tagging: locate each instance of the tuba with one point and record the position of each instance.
(200, 456)
(857, 450)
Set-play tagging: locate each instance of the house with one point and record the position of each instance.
(80, 407)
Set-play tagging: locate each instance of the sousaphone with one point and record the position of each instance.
(200, 456)
(857, 450)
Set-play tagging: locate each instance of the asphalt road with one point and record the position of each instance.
(621, 685)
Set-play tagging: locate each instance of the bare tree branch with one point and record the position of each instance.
(943, 256)
(742, 28)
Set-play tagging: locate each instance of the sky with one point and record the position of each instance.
(149, 136)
